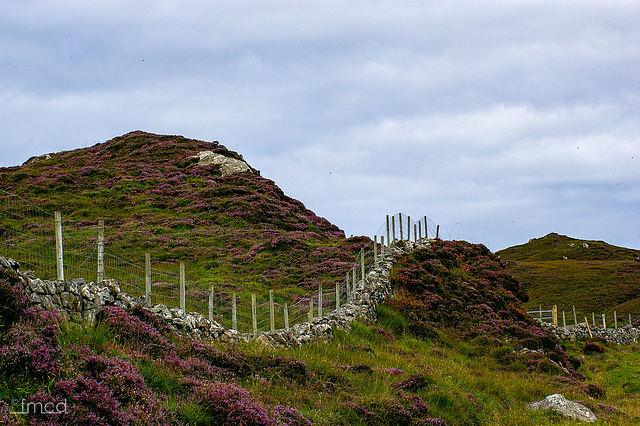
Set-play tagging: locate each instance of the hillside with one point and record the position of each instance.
(593, 276)
(453, 347)
(157, 194)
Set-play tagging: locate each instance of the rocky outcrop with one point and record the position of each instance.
(227, 165)
(626, 335)
(569, 409)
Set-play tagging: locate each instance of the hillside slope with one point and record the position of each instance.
(235, 230)
(593, 276)
(453, 347)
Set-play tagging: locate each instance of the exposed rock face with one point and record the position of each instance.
(564, 407)
(228, 165)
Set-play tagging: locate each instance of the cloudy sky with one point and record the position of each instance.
(500, 121)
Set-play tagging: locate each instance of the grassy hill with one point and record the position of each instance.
(593, 276)
(239, 231)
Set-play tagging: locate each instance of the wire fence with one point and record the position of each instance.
(565, 316)
(54, 247)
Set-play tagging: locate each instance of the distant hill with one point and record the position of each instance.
(189, 200)
(593, 276)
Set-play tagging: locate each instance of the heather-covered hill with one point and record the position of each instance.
(593, 276)
(235, 230)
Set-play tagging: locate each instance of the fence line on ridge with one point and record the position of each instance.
(36, 239)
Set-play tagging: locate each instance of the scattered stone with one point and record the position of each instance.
(569, 409)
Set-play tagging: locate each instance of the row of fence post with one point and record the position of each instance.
(554, 317)
(417, 228)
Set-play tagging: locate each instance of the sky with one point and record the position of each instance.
(500, 121)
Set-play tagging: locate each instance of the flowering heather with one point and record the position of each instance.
(228, 404)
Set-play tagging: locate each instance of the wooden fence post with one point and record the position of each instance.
(286, 315)
(564, 320)
(272, 312)
(254, 315)
(100, 276)
(362, 262)
(408, 228)
(437, 231)
(337, 296)
(630, 325)
(211, 302)
(588, 328)
(320, 303)
(540, 312)
(234, 312)
(182, 287)
(419, 230)
(388, 236)
(59, 256)
(604, 323)
(555, 315)
(593, 319)
(382, 246)
(147, 276)
(575, 318)
(393, 229)
(426, 232)
(353, 290)
(347, 289)
(415, 233)
(615, 319)
(375, 251)
(311, 309)
(400, 223)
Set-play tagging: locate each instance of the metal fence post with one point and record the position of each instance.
(59, 254)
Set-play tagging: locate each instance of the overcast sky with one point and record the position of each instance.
(500, 121)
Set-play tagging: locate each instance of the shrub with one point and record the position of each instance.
(228, 404)
(591, 348)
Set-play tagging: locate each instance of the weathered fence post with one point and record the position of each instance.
(375, 251)
(615, 319)
(362, 262)
(347, 285)
(408, 228)
(630, 325)
(353, 290)
(234, 313)
(59, 256)
(437, 231)
(593, 319)
(415, 233)
(211, 302)
(540, 312)
(100, 276)
(320, 303)
(147, 276)
(400, 223)
(272, 312)
(555, 315)
(589, 328)
(286, 315)
(382, 246)
(393, 229)
(182, 287)
(254, 315)
(604, 323)
(311, 308)
(337, 296)
(426, 234)
(388, 236)
(564, 320)
(575, 318)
